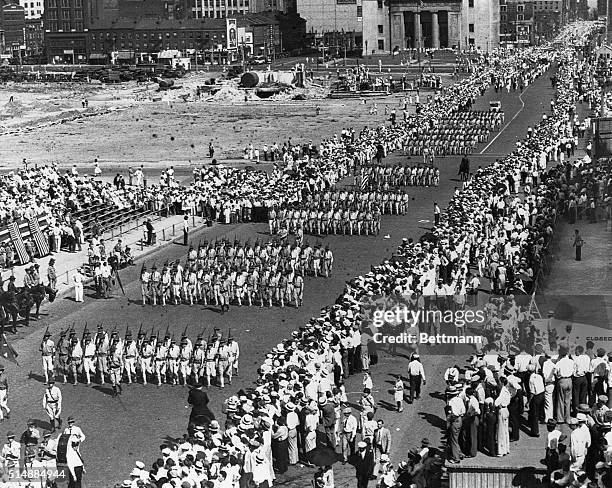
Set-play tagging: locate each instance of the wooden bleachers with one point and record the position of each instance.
(108, 217)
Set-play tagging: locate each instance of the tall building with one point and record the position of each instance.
(34, 37)
(33, 8)
(208, 37)
(219, 9)
(66, 30)
(13, 24)
(516, 26)
(546, 19)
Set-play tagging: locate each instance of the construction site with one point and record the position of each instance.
(49, 118)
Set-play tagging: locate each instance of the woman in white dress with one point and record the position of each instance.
(310, 427)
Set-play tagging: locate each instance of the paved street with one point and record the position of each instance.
(131, 427)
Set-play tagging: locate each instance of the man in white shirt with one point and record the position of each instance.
(548, 374)
(456, 408)
(579, 380)
(417, 375)
(536, 400)
(348, 434)
(564, 370)
(74, 430)
(356, 346)
(503, 428)
(472, 421)
(78, 279)
(578, 445)
(74, 462)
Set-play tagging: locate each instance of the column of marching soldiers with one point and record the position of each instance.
(149, 357)
(378, 190)
(221, 273)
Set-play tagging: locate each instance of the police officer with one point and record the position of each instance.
(52, 403)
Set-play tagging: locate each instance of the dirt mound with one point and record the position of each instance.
(230, 93)
(14, 108)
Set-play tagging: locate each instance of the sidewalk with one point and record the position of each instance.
(166, 230)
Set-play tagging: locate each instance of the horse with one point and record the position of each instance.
(21, 303)
(39, 293)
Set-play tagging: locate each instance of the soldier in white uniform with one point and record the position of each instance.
(156, 285)
(211, 361)
(145, 281)
(223, 364)
(130, 354)
(198, 361)
(328, 261)
(161, 354)
(115, 365)
(47, 349)
(174, 352)
(102, 346)
(147, 351)
(75, 357)
(89, 354)
(234, 355)
(185, 358)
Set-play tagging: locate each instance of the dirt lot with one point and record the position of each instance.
(133, 123)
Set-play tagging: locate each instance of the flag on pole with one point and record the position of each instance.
(365, 179)
(7, 351)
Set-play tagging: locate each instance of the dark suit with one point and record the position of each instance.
(200, 413)
(328, 414)
(364, 465)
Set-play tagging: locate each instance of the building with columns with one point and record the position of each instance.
(385, 26)
(443, 24)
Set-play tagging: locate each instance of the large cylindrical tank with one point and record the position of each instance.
(249, 80)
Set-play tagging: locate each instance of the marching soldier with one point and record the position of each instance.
(89, 354)
(75, 357)
(166, 285)
(102, 349)
(145, 279)
(185, 358)
(233, 356)
(223, 364)
(198, 361)
(177, 283)
(130, 354)
(47, 349)
(115, 365)
(161, 356)
(298, 289)
(62, 355)
(174, 352)
(156, 284)
(328, 261)
(211, 361)
(52, 403)
(146, 357)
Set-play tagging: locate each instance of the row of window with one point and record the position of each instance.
(65, 3)
(221, 14)
(221, 3)
(153, 45)
(158, 35)
(65, 14)
(66, 26)
(504, 17)
(519, 8)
